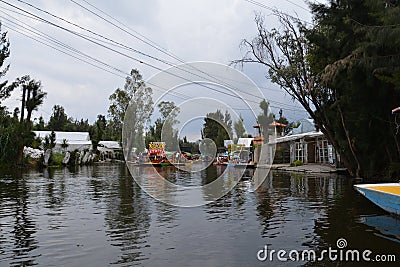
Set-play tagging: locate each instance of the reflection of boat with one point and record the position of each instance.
(240, 165)
(387, 225)
(221, 159)
(386, 195)
(239, 156)
(187, 163)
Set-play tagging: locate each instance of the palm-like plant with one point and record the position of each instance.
(64, 144)
(34, 98)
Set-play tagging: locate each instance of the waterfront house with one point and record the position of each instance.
(304, 144)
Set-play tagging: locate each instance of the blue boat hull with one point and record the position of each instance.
(387, 201)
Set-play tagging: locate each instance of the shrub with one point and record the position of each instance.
(56, 159)
(296, 163)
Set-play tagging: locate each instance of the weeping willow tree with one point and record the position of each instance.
(344, 70)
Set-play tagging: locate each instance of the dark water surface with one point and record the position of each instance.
(98, 216)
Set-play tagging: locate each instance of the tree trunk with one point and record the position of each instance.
(349, 166)
(23, 104)
(352, 148)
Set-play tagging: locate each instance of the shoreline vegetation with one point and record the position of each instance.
(343, 69)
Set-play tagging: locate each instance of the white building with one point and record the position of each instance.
(75, 140)
(245, 141)
(108, 146)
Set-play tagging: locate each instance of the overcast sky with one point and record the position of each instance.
(195, 30)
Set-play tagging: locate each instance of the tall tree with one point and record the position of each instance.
(239, 127)
(135, 92)
(333, 69)
(217, 127)
(5, 90)
(165, 126)
(58, 119)
(135, 101)
(8, 123)
(32, 97)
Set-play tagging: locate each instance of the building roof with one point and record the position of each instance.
(277, 124)
(110, 144)
(293, 137)
(71, 137)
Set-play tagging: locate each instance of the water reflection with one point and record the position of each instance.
(128, 218)
(385, 225)
(98, 216)
(17, 227)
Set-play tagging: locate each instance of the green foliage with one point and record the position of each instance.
(217, 127)
(49, 141)
(8, 132)
(5, 91)
(64, 144)
(345, 71)
(58, 119)
(36, 143)
(40, 125)
(136, 97)
(296, 163)
(15, 133)
(239, 128)
(56, 159)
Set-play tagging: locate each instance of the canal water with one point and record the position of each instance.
(98, 216)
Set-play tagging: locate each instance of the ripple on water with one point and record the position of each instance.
(98, 216)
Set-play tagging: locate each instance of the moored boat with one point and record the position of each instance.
(384, 195)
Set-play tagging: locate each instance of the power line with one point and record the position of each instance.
(274, 10)
(116, 51)
(90, 31)
(144, 39)
(44, 37)
(297, 5)
(88, 39)
(170, 54)
(108, 39)
(26, 31)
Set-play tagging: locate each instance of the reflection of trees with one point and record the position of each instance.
(16, 227)
(166, 214)
(265, 207)
(55, 189)
(127, 216)
(284, 197)
(232, 205)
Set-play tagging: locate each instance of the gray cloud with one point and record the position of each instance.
(193, 30)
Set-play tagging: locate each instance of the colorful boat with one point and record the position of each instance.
(239, 156)
(156, 154)
(385, 195)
